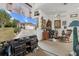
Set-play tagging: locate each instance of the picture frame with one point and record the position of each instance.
(57, 24)
(43, 23)
(36, 13)
(49, 24)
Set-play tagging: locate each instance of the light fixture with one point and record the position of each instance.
(65, 3)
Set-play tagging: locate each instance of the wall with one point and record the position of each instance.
(65, 16)
(39, 30)
(3, 5)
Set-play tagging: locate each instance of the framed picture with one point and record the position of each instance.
(49, 24)
(43, 23)
(57, 24)
(36, 13)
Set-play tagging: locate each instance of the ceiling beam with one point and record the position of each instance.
(28, 5)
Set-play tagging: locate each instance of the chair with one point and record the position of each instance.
(68, 34)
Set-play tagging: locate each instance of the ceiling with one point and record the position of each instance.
(57, 8)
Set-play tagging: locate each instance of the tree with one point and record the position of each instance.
(4, 17)
(14, 23)
(8, 24)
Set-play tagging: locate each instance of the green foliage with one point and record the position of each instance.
(0, 26)
(4, 17)
(17, 29)
(8, 24)
(14, 23)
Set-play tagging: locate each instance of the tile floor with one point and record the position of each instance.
(57, 48)
(51, 48)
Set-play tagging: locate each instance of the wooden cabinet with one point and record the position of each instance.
(45, 35)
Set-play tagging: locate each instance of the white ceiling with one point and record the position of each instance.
(57, 8)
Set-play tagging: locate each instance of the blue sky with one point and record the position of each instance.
(22, 18)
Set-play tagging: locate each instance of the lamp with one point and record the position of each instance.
(74, 24)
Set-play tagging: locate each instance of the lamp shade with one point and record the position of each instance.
(74, 23)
